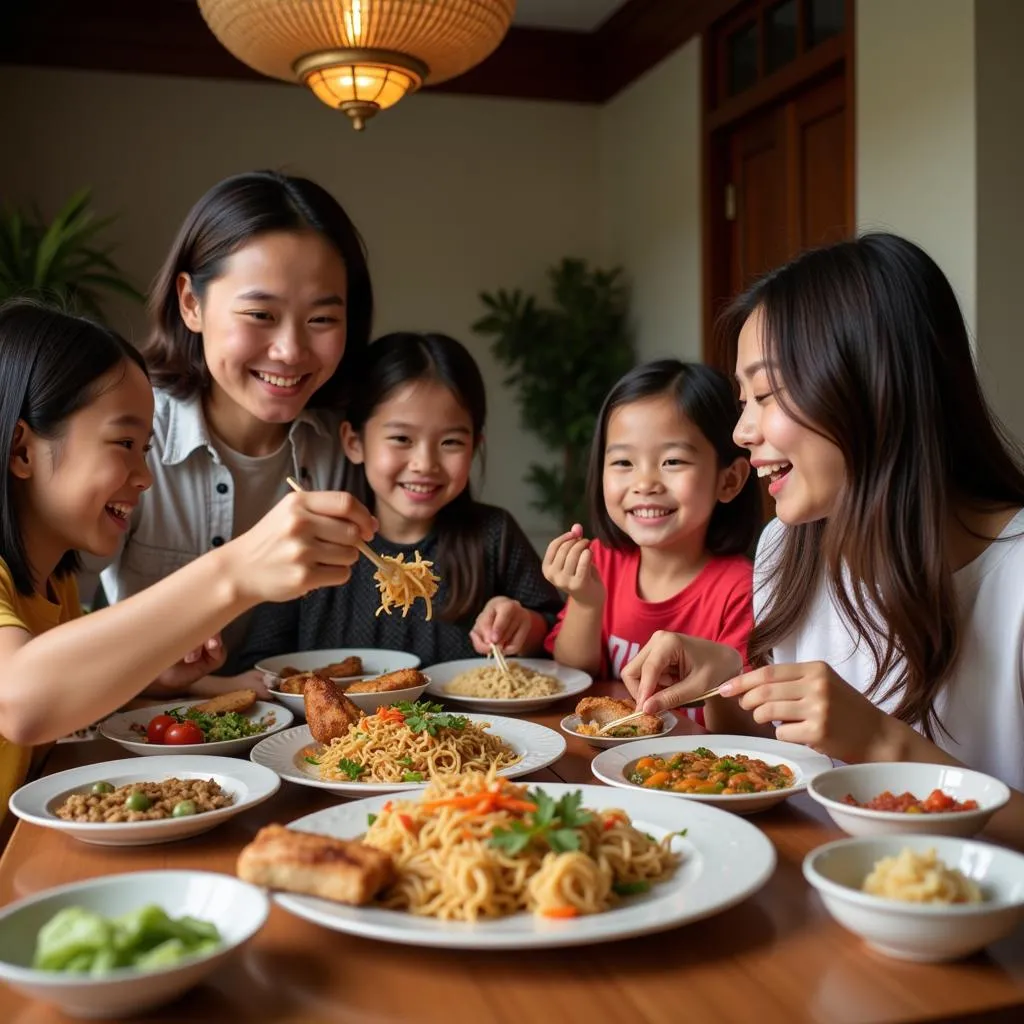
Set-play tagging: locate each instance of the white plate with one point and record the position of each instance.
(726, 860)
(570, 726)
(574, 681)
(119, 729)
(238, 910)
(249, 784)
(538, 745)
(613, 766)
(376, 661)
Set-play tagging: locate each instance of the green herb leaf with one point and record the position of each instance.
(370, 819)
(353, 769)
(412, 776)
(703, 752)
(512, 840)
(407, 761)
(563, 840)
(311, 760)
(631, 888)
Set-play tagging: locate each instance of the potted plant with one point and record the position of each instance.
(62, 262)
(564, 358)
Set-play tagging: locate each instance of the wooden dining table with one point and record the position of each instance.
(778, 956)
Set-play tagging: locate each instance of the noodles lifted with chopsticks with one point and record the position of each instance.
(489, 681)
(411, 743)
(399, 589)
(477, 846)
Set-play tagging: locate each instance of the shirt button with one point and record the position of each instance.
(217, 541)
(222, 488)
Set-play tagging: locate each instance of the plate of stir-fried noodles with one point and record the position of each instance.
(483, 862)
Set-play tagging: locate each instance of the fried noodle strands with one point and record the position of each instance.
(412, 580)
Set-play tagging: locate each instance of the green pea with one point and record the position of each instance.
(183, 808)
(138, 801)
(99, 788)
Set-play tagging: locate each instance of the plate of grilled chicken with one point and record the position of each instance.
(594, 715)
(366, 692)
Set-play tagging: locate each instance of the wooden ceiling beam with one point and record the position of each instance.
(169, 37)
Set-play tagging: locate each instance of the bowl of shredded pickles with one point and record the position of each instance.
(123, 944)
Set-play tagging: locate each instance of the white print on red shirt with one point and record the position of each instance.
(620, 654)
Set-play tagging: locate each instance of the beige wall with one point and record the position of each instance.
(650, 202)
(452, 194)
(999, 29)
(916, 166)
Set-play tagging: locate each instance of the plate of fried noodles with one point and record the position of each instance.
(403, 746)
(482, 862)
(531, 683)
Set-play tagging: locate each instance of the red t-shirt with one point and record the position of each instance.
(717, 605)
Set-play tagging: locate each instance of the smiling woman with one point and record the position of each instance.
(261, 306)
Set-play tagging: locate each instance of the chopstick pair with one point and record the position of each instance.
(499, 660)
(695, 702)
(391, 571)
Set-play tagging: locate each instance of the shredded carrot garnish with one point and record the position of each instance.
(561, 912)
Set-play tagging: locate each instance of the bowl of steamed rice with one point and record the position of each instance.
(920, 897)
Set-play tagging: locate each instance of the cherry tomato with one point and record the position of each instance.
(184, 732)
(157, 727)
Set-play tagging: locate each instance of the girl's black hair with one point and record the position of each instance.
(231, 214)
(705, 396)
(50, 364)
(402, 358)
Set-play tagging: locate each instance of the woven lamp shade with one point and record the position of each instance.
(359, 56)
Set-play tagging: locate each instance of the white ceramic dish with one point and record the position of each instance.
(920, 931)
(119, 728)
(284, 754)
(368, 702)
(613, 766)
(725, 860)
(573, 680)
(238, 910)
(249, 784)
(376, 661)
(570, 726)
(865, 781)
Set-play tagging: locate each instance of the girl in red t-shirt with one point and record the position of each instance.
(675, 510)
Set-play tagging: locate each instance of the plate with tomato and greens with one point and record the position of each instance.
(181, 728)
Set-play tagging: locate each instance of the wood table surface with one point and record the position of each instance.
(776, 957)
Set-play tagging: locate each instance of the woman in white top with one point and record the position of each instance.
(889, 607)
(261, 306)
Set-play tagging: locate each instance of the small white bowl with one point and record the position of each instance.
(926, 932)
(368, 702)
(238, 909)
(571, 723)
(866, 781)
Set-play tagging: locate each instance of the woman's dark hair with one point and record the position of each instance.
(402, 358)
(705, 397)
(50, 366)
(866, 345)
(230, 215)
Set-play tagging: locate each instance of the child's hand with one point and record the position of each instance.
(568, 564)
(304, 542)
(815, 706)
(197, 663)
(503, 622)
(671, 669)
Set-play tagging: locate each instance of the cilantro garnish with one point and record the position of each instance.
(311, 760)
(353, 769)
(370, 819)
(631, 888)
(406, 761)
(703, 752)
(556, 823)
(412, 776)
(429, 717)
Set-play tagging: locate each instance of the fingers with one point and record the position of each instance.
(522, 631)
(552, 550)
(480, 645)
(768, 674)
(339, 507)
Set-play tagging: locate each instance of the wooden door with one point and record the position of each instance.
(786, 187)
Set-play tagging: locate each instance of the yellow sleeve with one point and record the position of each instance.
(70, 605)
(8, 615)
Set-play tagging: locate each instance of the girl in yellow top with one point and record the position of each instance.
(76, 413)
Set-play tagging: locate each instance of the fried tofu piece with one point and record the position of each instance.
(600, 711)
(224, 703)
(352, 666)
(403, 679)
(329, 713)
(342, 870)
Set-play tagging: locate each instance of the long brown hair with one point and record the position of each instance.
(867, 346)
